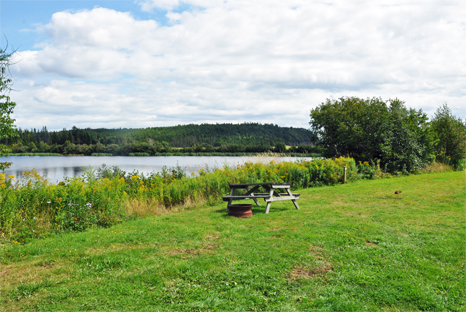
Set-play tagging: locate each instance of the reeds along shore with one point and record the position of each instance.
(37, 207)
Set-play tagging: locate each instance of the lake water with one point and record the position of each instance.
(56, 168)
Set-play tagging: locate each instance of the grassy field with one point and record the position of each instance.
(353, 247)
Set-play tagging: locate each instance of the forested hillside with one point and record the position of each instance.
(246, 137)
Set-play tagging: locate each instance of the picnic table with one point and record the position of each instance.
(273, 192)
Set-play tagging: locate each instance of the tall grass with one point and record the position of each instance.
(36, 207)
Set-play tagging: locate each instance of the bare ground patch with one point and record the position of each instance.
(318, 271)
(316, 249)
(315, 272)
(211, 237)
(194, 251)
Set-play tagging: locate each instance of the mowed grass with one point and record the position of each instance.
(353, 247)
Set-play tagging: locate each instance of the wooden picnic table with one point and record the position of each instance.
(273, 192)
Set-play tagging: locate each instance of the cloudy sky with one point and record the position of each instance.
(145, 63)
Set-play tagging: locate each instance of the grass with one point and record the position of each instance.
(353, 247)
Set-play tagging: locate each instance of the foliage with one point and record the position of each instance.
(371, 129)
(351, 126)
(134, 150)
(6, 108)
(224, 138)
(407, 141)
(450, 134)
(37, 207)
(280, 147)
(37, 154)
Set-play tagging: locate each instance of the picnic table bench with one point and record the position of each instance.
(274, 192)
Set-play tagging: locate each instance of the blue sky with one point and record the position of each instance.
(19, 17)
(166, 62)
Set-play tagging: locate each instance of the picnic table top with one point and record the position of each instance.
(259, 184)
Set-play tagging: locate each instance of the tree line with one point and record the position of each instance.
(205, 138)
(388, 133)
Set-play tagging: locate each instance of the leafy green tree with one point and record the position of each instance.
(371, 129)
(7, 129)
(351, 126)
(280, 147)
(450, 134)
(407, 139)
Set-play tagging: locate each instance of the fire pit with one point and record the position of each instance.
(240, 211)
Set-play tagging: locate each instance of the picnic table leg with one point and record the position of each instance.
(232, 193)
(269, 203)
(268, 207)
(293, 200)
(252, 194)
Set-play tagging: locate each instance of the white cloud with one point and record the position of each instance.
(237, 61)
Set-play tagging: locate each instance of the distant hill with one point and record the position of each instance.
(176, 136)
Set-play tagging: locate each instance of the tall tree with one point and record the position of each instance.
(371, 129)
(351, 126)
(407, 142)
(450, 134)
(7, 129)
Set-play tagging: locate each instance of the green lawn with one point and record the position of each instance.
(353, 247)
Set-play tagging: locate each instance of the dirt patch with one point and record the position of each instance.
(276, 229)
(176, 252)
(316, 249)
(27, 272)
(316, 272)
(194, 251)
(46, 264)
(372, 244)
(212, 237)
(339, 203)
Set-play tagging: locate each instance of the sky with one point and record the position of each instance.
(150, 63)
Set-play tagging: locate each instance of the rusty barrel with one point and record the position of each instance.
(240, 210)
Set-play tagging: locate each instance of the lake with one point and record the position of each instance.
(56, 168)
